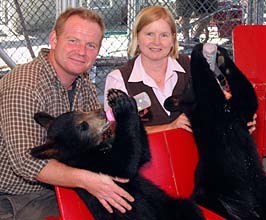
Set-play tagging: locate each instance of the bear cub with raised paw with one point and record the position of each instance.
(84, 140)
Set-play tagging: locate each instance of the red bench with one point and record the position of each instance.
(174, 158)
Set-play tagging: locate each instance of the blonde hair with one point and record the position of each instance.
(145, 17)
(83, 13)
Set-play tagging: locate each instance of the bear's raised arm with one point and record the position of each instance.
(131, 142)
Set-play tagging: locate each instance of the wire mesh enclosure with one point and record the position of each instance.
(25, 26)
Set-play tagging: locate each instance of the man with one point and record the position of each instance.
(55, 82)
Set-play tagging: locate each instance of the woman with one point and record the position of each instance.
(155, 67)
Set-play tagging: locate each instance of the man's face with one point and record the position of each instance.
(76, 48)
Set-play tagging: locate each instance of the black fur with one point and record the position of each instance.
(229, 178)
(79, 139)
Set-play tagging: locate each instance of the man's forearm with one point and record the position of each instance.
(56, 173)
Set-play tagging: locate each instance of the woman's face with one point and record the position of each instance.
(156, 40)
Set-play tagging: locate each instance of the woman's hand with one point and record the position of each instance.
(252, 124)
(108, 193)
(181, 122)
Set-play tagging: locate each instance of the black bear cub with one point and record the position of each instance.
(83, 140)
(229, 178)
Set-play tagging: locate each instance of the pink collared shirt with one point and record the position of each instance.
(114, 80)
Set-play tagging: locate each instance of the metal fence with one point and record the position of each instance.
(25, 26)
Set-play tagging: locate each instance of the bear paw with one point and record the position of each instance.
(121, 103)
(113, 94)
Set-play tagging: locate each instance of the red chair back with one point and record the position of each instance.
(174, 159)
(249, 46)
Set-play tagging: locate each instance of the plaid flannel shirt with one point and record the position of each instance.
(27, 89)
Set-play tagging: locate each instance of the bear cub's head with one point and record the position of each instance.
(72, 132)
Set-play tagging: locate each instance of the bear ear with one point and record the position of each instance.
(48, 150)
(172, 103)
(43, 119)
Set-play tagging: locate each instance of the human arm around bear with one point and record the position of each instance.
(103, 187)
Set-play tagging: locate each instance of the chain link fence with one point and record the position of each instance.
(25, 26)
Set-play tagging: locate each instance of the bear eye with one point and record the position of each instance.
(84, 126)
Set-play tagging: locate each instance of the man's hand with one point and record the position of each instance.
(101, 186)
(109, 194)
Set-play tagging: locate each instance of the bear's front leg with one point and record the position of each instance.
(128, 147)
